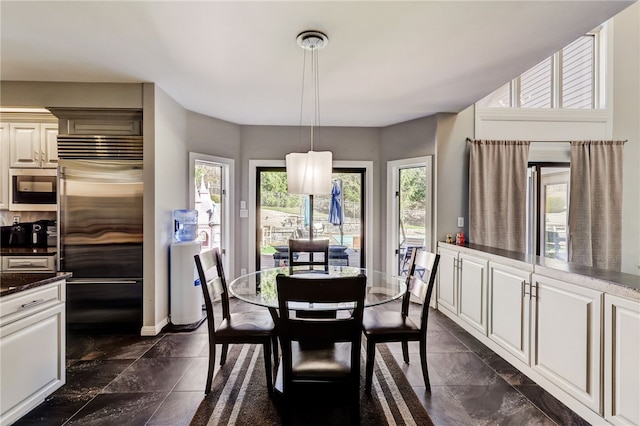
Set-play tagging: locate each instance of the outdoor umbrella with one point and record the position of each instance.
(335, 211)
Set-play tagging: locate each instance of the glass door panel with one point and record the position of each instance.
(554, 203)
(208, 188)
(411, 213)
(282, 216)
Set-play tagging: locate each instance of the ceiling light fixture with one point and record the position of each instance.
(310, 173)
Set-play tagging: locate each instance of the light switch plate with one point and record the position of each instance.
(460, 222)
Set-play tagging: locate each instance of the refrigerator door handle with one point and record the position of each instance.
(89, 281)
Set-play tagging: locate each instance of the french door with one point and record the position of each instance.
(338, 217)
(409, 210)
(210, 195)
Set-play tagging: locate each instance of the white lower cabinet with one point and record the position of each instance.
(566, 343)
(447, 294)
(472, 272)
(509, 306)
(32, 348)
(621, 360)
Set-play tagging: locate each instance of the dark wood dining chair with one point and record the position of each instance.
(339, 362)
(317, 251)
(255, 327)
(395, 326)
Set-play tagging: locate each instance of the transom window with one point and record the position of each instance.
(569, 79)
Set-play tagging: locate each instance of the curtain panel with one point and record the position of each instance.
(595, 204)
(498, 194)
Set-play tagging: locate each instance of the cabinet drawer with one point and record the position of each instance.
(19, 305)
(28, 263)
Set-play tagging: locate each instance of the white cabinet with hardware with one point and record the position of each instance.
(32, 343)
(462, 286)
(447, 294)
(509, 307)
(33, 145)
(621, 360)
(472, 273)
(16, 263)
(566, 325)
(4, 166)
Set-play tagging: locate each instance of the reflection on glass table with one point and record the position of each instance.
(259, 288)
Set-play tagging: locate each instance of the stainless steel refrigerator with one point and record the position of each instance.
(100, 242)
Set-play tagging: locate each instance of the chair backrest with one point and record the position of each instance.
(213, 283)
(420, 281)
(310, 247)
(294, 290)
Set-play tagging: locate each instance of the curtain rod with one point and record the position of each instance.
(613, 140)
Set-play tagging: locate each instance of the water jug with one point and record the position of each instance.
(185, 225)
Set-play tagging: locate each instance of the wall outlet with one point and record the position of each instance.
(243, 271)
(460, 222)
(16, 219)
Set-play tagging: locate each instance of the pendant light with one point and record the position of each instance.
(310, 172)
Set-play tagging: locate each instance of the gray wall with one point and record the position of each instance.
(166, 179)
(274, 142)
(415, 138)
(452, 172)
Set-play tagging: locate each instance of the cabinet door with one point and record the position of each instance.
(566, 338)
(621, 360)
(49, 146)
(32, 362)
(473, 291)
(4, 166)
(447, 293)
(24, 145)
(508, 309)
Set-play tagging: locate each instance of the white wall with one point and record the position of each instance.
(626, 125)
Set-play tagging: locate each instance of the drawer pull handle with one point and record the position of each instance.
(30, 304)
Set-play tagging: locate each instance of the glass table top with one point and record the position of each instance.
(259, 288)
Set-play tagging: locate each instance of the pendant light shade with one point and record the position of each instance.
(309, 173)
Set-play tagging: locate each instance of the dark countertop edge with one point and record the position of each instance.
(28, 251)
(11, 283)
(622, 279)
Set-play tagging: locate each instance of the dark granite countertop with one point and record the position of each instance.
(16, 282)
(629, 281)
(28, 251)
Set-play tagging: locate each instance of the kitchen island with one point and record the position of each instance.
(572, 329)
(32, 340)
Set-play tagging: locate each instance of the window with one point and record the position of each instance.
(548, 209)
(568, 80)
(281, 216)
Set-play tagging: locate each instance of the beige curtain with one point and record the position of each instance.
(595, 204)
(498, 194)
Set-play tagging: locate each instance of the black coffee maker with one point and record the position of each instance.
(27, 234)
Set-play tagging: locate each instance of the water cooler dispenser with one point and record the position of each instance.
(185, 303)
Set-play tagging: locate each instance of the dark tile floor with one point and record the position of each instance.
(130, 380)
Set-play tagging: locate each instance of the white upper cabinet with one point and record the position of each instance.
(4, 166)
(33, 145)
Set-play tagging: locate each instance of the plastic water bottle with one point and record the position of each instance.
(185, 225)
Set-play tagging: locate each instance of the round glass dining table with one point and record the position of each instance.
(259, 288)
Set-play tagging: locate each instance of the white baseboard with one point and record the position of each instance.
(154, 330)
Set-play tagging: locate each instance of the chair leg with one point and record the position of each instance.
(423, 362)
(274, 344)
(267, 365)
(371, 353)
(405, 351)
(212, 366)
(223, 354)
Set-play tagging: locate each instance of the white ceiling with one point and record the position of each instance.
(386, 62)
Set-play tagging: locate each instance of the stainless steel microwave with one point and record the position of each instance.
(33, 189)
